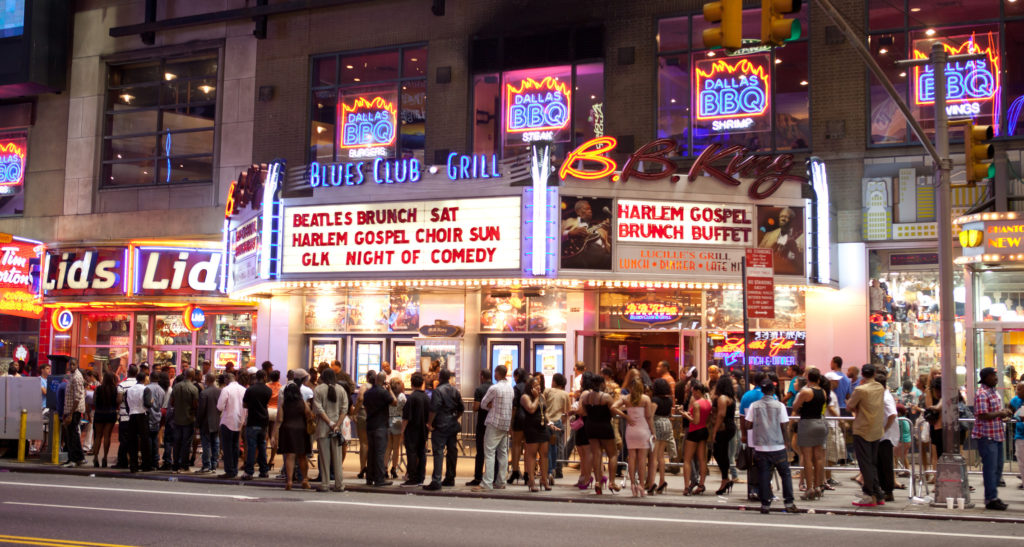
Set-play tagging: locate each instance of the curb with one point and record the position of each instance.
(610, 500)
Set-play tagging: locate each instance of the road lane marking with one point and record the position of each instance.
(115, 510)
(28, 540)
(603, 516)
(130, 490)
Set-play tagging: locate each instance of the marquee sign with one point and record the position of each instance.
(732, 92)
(164, 271)
(972, 87)
(537, 110)
(684, 223)
(13, 152)
(367, 125)
(458, 234)
(381, 171)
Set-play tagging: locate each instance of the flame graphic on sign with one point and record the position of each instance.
(727, 67)
(376, 104)
(549, 83)
(966, 47)
(10, 176)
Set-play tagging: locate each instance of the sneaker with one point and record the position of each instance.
(996, 505)
(410, 484)
(474, 482)
(765, 509)
(865, 501)
(832, 482)
(448, 482)
(791, 508)
(202, 471)
(245, 477)
(434, 485)
(70, 464)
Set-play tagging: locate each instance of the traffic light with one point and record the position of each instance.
(730, 34)
(775, 28)
(978, 155)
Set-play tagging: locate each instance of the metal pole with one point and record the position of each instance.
(746, 326)
(22, 435)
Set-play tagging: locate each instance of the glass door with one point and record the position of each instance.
(1001, 348)
(548, 358)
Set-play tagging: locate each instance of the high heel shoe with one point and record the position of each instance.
(362, 474)
(103, 463)
(585, 485)
(600, 485)
(96, 462)
(394, 473)
(699, 490)
(614, 487)
(688, 491)
(810, 494)
(652, 489)
(634, 487)
(288, 485)
(727, 488)
(512, 478)
(305, 484)
(662, 487)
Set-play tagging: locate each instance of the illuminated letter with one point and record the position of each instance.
(653, 152)
(591, 150)
(453, 171)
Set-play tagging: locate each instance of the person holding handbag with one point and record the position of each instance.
(330, 405)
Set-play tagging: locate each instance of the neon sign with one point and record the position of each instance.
(768, 172)
(732, 92)
(968, 83)
(774, 348)
(367, 126)
(193, 317)
(381, 171)
(12, 161)
(535, 110)
(651, 312)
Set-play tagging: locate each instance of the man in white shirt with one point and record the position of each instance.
(137, 401)
(124, 430)
(232, 416)
(890, 439)
(498, 402)
(769, 433)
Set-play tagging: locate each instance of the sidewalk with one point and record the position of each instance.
(837, 502)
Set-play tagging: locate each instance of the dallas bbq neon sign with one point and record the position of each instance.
(12, 162)
(368, 124)
(536, 107)
(732, 89)
(966, 82)
(768, 172)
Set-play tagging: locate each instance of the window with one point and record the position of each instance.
(756, 98)
(561, 104)
(159, 126)
(990, 91)
(370, 104)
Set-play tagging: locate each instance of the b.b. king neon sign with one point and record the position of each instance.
(368, 126)
(732, 93)
(537, 110)
(969, 84)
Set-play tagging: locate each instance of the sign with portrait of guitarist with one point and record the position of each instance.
(781, 229)
(586, 233)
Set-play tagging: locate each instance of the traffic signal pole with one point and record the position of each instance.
(952, 467)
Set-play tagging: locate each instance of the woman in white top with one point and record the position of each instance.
(394, 451)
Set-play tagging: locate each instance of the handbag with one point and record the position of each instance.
(743, 458)
(576, 424)
(310, 422)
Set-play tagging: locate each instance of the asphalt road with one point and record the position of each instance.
(56, 510)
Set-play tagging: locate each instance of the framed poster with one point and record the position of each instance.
(323, 350)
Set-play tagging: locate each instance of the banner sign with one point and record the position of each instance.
(459, 234)
(760, 284)
(162, 271)
(684, 223)
(100, 271)
(684, 262)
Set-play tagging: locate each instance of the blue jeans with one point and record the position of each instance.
(211, 448)
(229, 443)
(256, 449)
(767, 462)
(555, 447)
(991, 453)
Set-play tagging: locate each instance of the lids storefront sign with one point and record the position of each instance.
(182, 272)
(81, 272)
(469, 234)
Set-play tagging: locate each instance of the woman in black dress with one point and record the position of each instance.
(105, 417)
(292, 441)
(535, 432)
(599, 407)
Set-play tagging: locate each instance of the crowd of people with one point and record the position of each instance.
(641, 423)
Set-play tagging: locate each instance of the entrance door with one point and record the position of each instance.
(368, 356)
(691, 354)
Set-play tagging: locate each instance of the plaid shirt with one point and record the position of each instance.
(499, 415)
(74, 396)
(987, 400)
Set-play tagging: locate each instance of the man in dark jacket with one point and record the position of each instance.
(208, 421)
(446, 409)
(376, 401)
(414, 429)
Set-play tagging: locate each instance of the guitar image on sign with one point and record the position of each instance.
(586, 244)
